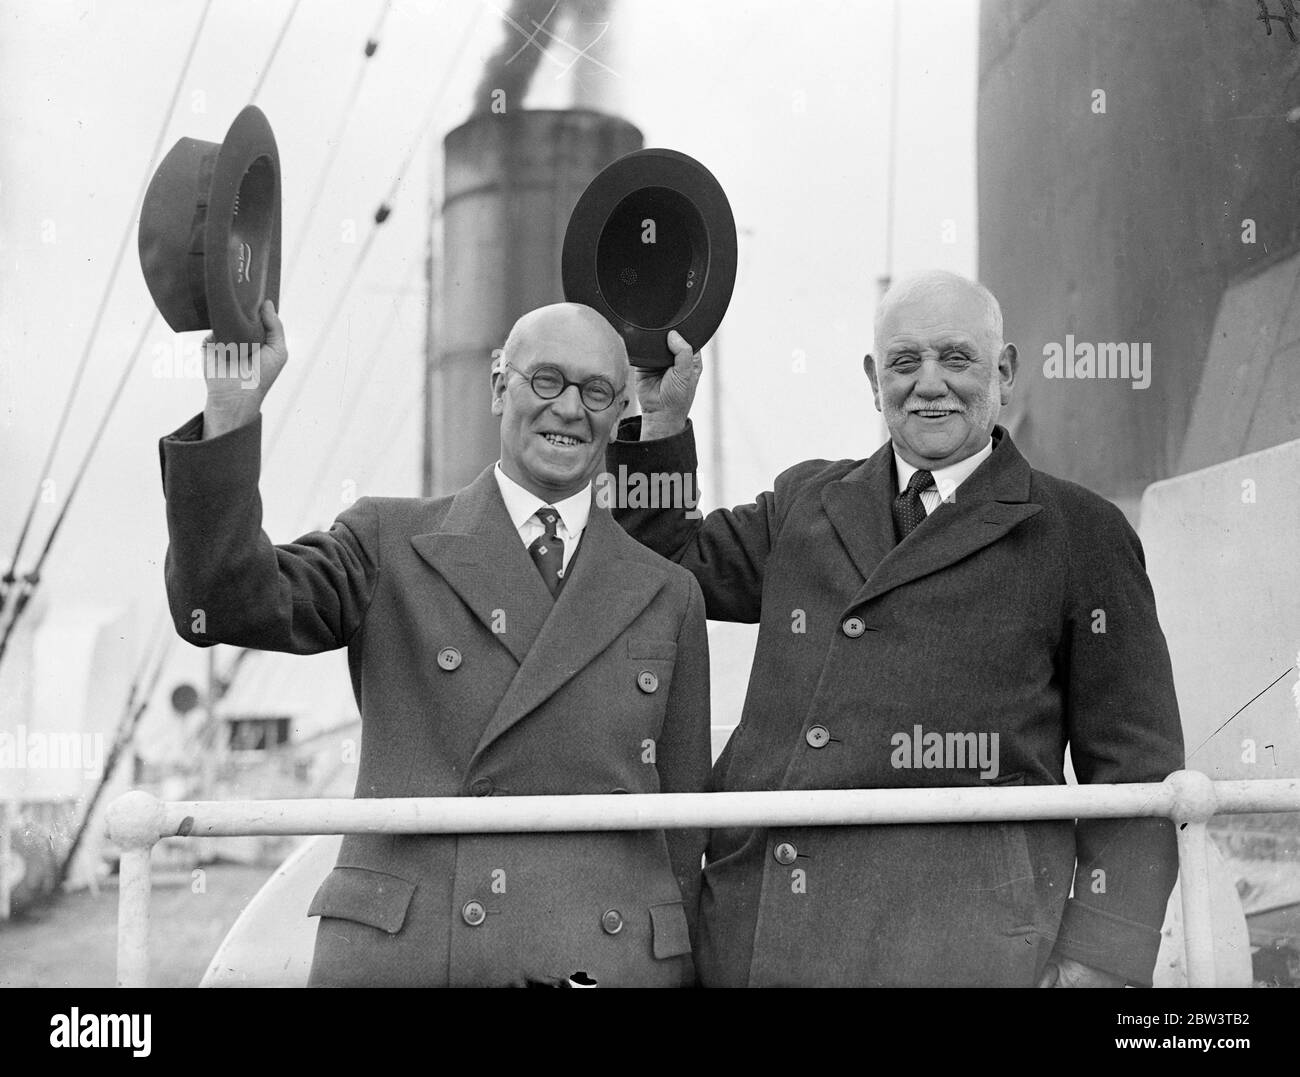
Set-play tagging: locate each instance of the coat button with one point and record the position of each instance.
(854, 627)
(449, 658)
(473, 913)
(611, 922)
(818, 736)
(481, 787)
(647, 681)
(785, 853)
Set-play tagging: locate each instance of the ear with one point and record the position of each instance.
(1008, 363)
(498, 383)
(869, 365)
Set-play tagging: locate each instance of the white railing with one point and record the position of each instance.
(137, 821)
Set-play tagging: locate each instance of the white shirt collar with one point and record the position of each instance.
(521, 504)
(946, 479)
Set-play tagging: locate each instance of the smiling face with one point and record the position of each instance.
(553, 448)
(941, 373)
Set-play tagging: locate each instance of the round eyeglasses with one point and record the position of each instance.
(549, 382)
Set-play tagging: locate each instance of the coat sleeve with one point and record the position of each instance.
(726, 551)
(1123, 726)
(227, 583)
(683, 755)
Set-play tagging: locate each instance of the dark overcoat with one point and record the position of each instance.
(1021, 610)
(471, 681)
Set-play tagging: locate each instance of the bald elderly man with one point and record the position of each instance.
(938, 614)
(509, 640)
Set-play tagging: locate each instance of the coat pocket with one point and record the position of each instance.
(365, 896)
(668, 926)
(1015, 870)
(651, 648)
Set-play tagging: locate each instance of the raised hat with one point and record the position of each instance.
(210, 231)
(651, 245)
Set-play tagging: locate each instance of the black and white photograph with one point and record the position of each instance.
(906, 595)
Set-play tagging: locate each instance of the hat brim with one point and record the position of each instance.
(242, 231)
(679, 187)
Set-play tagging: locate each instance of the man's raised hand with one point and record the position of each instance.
(666, 395)
(239, 376)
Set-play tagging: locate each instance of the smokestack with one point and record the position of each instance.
(574, 37)
(510, 69)
(511, 181)
(593, 79)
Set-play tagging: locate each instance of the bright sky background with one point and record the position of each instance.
(786, 104)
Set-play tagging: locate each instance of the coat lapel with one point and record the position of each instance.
(858, 508)
(478, 552)
(604, 594)
(993, 500)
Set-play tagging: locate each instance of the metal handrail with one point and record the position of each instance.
(137, 821)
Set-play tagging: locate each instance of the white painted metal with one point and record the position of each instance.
(138, 820)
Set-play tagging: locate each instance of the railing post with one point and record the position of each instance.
(134, 822)
(1194, 802)
(5, 852)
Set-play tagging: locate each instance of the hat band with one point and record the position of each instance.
(196, 274)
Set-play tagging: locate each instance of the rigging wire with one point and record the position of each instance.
(382, 214)
(275, 51)
(372, 364)
(31, 580)
(7, 581)
(335, 143)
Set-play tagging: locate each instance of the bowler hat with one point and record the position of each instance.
(210, 232)
(651, 245)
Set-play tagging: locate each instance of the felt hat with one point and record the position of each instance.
(651, 245)
(210, 232)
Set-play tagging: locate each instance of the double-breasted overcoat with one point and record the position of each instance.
(471, 680)
(1011, 623)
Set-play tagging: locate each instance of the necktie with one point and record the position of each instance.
(908, 510)
(547, 550)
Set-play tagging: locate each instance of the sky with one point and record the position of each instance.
(787, 104)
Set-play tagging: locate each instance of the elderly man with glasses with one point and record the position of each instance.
(507, 640)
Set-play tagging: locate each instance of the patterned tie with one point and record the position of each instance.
(908, 510)
(547, 549)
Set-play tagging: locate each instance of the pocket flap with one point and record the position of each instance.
(364, 895)
(668, 925)
(651, 648)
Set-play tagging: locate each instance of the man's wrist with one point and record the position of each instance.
(654, 429)
(219, 418)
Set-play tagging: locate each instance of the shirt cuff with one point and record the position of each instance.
(676, 453)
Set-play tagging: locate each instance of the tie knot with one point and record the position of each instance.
(550, 519)
(920, 480)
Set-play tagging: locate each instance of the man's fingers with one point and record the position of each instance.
(678, 345)
(274, 328)
(686, 362)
